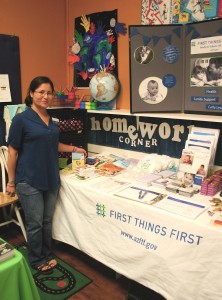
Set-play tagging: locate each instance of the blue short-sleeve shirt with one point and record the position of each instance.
(37, 146)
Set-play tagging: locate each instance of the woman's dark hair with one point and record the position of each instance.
(198, 69)
(35, 83)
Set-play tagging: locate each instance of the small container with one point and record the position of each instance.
(93, 105)
(77, 104)
(71, 95)
(63, 97)
(82, 104)
(87, 105)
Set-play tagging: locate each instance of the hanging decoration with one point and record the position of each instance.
(94, 46)
(154, 38)
(168, 37)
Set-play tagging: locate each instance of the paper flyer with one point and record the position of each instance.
(5, 94)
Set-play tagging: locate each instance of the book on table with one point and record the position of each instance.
(6, 251)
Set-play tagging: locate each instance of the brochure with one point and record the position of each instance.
(78, 159)
(194, 162)
(207, 134)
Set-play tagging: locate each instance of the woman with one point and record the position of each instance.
(33, 171)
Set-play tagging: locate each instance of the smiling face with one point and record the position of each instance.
(186, 159)
(42, 96)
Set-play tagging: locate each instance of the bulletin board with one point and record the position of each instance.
(10, 64)
(156, 60)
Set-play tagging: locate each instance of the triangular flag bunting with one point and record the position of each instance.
(146, 40)
(177, 31)
(168, 38)
(189, 29)
(134, 31)
(195, 35)
(155, 40)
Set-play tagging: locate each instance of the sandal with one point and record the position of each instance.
(45, 269)
(52, 263)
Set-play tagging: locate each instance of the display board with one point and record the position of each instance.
(176, 68)
(203, 68)
(10, 65)
(156, 68)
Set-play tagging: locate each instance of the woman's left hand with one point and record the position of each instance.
(81, 150)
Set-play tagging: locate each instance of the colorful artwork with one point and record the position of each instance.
(95, 46)
(179, 11)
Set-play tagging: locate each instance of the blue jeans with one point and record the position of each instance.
(38, 207)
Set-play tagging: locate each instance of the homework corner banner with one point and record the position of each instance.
(149, 135)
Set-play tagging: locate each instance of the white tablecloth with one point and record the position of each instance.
(175, 256)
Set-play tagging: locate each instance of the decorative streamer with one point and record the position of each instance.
(155, 39)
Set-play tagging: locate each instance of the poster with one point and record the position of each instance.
(156, 68)
(176, 68)
(203, 68)
(95, 46)
(5, 94)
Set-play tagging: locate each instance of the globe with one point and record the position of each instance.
(104, 87)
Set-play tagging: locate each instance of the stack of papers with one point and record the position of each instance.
(199, 152)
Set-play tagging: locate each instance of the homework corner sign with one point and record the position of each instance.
(145, 134)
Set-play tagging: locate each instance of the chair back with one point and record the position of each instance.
(4, 156)
(3, 174)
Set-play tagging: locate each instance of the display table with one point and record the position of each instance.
(16, 281)
(178, 257)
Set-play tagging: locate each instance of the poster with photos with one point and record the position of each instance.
(176, 68)
(203, 68)
(156, 68)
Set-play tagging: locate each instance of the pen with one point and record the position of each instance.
(142, 194)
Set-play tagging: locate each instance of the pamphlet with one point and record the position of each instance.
(194, 162)
(77, 160)
(6, 250)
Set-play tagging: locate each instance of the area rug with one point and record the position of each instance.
(61, 284)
